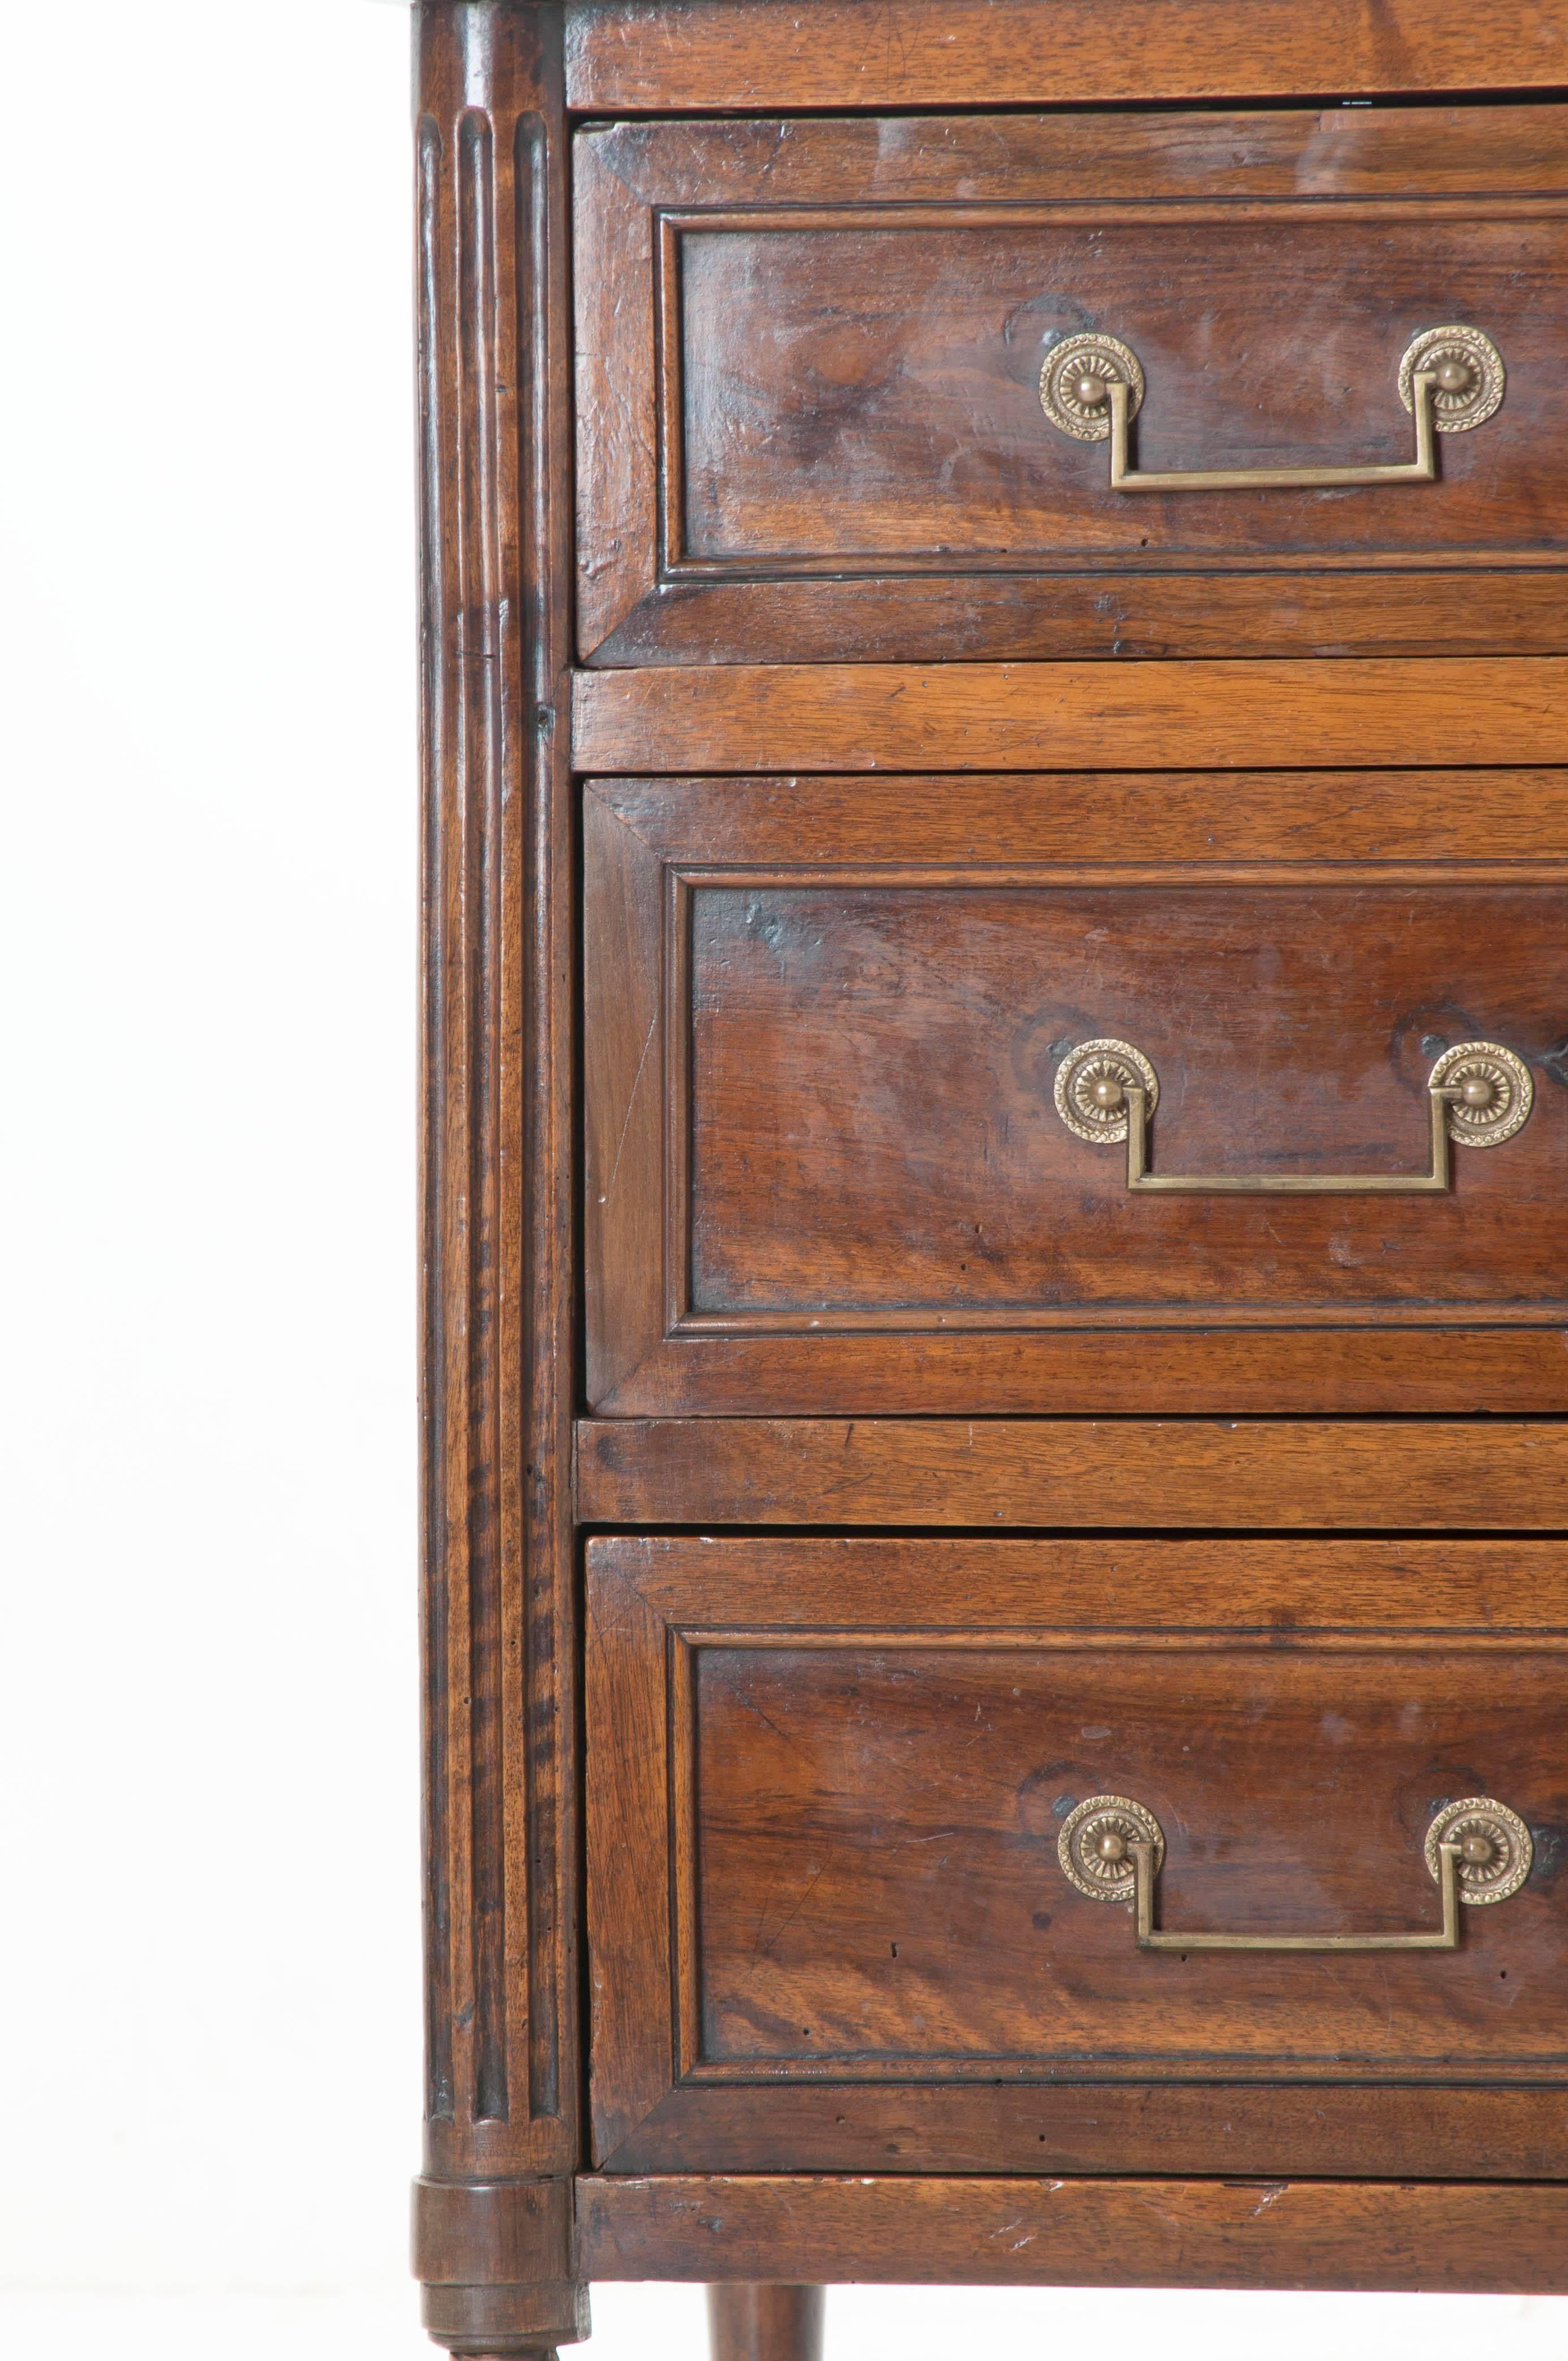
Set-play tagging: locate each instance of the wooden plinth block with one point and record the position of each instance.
(495, 2260)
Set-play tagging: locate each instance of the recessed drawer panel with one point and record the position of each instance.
(921, 1094)
(1075, 385)
(1241, 1856)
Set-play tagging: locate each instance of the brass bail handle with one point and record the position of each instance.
(1449, 378)
(1478, 1094)
(1111, 1849)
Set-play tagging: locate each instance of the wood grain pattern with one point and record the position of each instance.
(644, 56)
(1321, 715)
(498, 1289)
(870, 1745)
(876, 1892)
(873, 1144)
(825, 1024)
(1500, 1474)
(1037, 2232)
(809, 360)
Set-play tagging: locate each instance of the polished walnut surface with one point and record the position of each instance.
(636, 55)
(836, 1475)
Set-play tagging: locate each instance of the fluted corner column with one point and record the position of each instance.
(493, 2209)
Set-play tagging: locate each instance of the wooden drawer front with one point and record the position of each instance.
(828, 1783)
(826, 1027)
(811, 353)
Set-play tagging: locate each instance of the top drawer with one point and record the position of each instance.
(832, 396)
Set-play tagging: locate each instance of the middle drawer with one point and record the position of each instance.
(1153, 1093)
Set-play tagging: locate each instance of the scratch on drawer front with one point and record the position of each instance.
(630, 1103)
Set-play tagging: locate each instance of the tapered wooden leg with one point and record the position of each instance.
(748, 2323)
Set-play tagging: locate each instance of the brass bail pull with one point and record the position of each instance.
(1478, 1094)
(1450, 379)
(1112, 1848)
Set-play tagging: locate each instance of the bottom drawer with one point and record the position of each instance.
(852, 1904)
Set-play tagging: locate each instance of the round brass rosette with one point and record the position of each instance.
(1106, 1069)
(1470, 403)
(1095, 1845)
(1494, 1118)
(1495, 1842)
(1077, 357)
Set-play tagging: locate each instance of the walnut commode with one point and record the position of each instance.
(995, 1295)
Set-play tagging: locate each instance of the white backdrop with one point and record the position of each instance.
(207, 1725)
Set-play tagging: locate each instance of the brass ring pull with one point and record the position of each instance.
(1479, 1095)
(1477, 1849)
(1451, 379)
